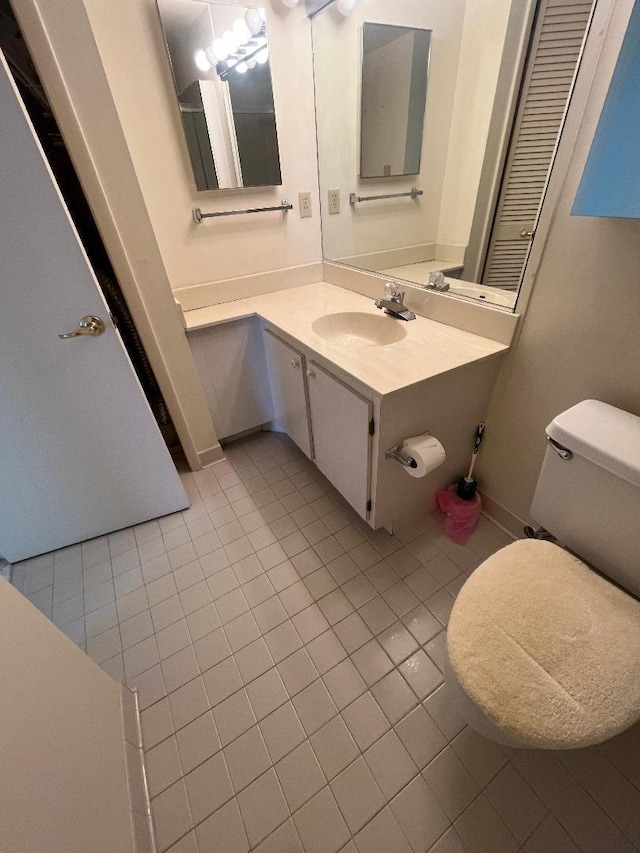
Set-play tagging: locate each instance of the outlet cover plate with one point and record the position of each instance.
(304, 205)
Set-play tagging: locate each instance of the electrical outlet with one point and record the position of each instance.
(304, 205)
(334, 201)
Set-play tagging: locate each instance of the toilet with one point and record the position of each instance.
(543, 646)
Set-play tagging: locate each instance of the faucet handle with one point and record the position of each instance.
(436, 279)
(392, 291)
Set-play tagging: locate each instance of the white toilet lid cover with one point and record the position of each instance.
(548, 649)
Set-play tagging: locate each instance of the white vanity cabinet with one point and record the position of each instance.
(286, 368)
(340, 419)
(328, 420)
(265, 363)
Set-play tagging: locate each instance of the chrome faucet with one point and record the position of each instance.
(437, 282)
(394, 303)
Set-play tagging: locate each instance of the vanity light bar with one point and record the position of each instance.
(198, 215)
(415, 192)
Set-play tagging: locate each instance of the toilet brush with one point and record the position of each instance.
(467, 485)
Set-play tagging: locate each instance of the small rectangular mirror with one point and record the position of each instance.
(219, 56)
(395, 63)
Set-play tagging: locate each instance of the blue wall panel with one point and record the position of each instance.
(610, 184)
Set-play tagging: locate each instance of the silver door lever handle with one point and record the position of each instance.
(89, 325)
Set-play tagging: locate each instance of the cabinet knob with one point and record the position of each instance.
(311, 372)
(295, 362)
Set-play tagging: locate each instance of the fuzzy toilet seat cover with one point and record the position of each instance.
(548, 649)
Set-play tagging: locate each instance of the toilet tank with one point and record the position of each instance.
(590, 500)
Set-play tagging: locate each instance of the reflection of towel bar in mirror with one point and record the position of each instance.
(284, 206)
(415, 192)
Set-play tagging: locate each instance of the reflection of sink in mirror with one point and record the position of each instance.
(469, 125)
(356, 328)
(419, 274)
(492, 295)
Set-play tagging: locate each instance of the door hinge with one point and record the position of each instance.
(372, 426)
(369, 505)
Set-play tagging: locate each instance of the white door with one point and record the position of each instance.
(286, 372)
(340, 419)
(80, 452)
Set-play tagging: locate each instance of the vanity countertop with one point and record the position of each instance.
(428, 349)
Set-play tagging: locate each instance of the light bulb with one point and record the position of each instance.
(241, 31)
(346, 7)
(211, 56)
(290, 3)
(263, 56)
(230, 41)
(263, 14)
(220, 49)
(253, 21)
(201, 61)
(242, 68)
(251, 64)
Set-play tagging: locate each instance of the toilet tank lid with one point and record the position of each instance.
(606, 436)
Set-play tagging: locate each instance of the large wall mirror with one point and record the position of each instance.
(219, 56)
(437, 124)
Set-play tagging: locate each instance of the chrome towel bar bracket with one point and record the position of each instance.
(414, 193)
(283, 207)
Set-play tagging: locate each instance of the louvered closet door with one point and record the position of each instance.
(551, 66)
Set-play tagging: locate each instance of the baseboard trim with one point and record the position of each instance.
(142, 830)
(210, 456)
(6, 569)
(506, 520)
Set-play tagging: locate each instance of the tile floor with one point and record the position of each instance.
(289, 666)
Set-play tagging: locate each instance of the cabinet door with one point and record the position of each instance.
(230, 361)
(340, 420)
(286, 372)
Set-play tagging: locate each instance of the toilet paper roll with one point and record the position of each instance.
(427, 452)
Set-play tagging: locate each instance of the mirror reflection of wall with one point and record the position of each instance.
(476, 215)
(395, 61)
(219, 56)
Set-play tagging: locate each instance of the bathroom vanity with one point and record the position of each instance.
(346, 382)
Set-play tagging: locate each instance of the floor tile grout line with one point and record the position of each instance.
(302, 579)
(303, 645)
(307, 737)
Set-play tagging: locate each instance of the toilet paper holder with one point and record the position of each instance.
(394, 453)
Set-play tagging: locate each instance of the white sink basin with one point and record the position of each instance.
(356, 328)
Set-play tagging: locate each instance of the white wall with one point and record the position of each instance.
(63, 785)
(580, 336)
(485, 25)
(337, 48)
